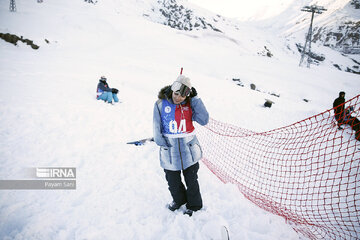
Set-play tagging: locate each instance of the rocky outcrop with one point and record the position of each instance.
(12, 38)
(344, 37)
(179, 17)
(356, 4)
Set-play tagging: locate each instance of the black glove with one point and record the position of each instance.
(114, 90)
(193, 92)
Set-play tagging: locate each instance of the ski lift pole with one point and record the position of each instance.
(309, 40)
(307, 47)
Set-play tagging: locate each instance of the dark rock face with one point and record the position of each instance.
(355, 3)
(13, 39)
(344, 37)
(91, 1)
(268, 103)
(181, 18)
(266, 52)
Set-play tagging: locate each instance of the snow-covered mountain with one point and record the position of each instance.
(338, 28)
(335, 31)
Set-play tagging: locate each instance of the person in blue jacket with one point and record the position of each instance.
(174, 112)
(104, 92)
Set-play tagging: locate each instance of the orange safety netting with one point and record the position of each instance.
(307, 172)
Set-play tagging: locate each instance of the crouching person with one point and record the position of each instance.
(180, 151)
(354, 122)
(104, 92)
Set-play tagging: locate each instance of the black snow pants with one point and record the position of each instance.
(189, 195)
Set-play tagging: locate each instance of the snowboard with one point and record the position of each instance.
(141, 141)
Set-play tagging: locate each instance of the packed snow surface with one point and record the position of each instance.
(50, 118)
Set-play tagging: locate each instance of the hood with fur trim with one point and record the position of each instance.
(165, 93)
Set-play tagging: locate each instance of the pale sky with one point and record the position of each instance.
(243, 8)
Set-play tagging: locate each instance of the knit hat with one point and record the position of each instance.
(103, 79)
(182, 84)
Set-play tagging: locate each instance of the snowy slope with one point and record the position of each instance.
(50, 118)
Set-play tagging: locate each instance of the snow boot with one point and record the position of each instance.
(188, 212)
(173, 206)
